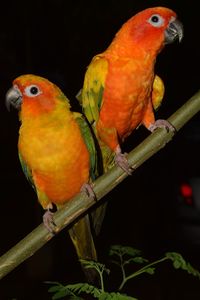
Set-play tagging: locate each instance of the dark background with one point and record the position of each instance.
(57, 39)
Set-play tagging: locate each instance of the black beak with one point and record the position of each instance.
(174, 31)
(13, 98)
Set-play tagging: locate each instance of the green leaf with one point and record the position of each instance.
(72, 290)
(94, 265)
(150, 271)
(79, 288)
(176, 264)
(54, 289)
(91, 263)
(178, 260)
(115, 296)
(52, 282)
(61, 293)
(180, 263)
(56, 286)
(123, 250)
(138, 260)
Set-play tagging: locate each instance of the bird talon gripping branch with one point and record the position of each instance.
(87, 188)
(162, 124)
(122, 161)
(49, 221)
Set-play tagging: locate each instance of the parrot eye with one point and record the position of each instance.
(156, 20)
(32, 91)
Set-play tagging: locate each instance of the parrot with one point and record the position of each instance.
(120, 88)
(57, 153)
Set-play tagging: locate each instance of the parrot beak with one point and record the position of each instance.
(13, 98)
(174, 31)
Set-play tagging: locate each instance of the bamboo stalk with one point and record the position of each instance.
(81, 203)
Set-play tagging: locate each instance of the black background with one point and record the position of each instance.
(57, 39)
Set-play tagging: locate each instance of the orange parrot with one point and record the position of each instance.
(120, 89)
(56, 151)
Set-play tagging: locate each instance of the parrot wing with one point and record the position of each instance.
(92, 92)
(91, 99)
(158, 92)
(89, 140)
(27, 171)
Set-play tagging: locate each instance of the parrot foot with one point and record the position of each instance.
(122, 162)
(87, 188)
(48, 221)
(162, 124)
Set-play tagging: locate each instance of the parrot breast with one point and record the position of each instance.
(56, 154)
(126, 96)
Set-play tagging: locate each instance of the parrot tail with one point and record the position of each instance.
(81, 236)
(98, 216)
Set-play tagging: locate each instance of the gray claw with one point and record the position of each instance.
(162, 124)
(49, 222)
(122, 162)
(87, 188)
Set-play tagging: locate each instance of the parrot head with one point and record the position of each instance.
(151, 29)
(34, 94)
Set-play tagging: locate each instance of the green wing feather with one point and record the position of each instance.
(92, 93)
(89, 140)
(27, 171)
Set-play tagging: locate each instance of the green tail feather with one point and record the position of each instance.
(82, 239)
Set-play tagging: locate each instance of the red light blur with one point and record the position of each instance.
(186, 192)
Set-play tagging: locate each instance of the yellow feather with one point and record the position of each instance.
(158, 92)
(93, 87)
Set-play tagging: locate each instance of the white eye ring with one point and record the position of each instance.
(32, 90)
(156, 20)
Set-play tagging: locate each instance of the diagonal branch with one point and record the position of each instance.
(81, 203)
